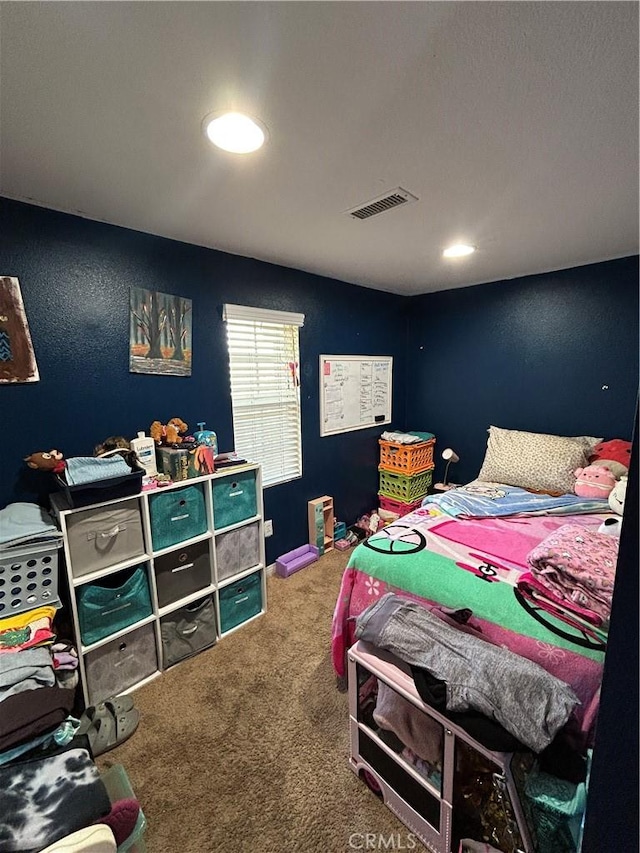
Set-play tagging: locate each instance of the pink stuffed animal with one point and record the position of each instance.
(595, 481)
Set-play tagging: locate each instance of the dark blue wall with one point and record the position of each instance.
(75, 276)
(533, 353)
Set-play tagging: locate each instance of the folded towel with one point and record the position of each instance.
(21, 523)
(88, 469)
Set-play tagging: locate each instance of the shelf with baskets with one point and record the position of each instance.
(159, 576)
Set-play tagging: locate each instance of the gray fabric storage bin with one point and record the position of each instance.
(182, 572)
(238, 550)
(120, 664)
(101, 537)
(187, 631)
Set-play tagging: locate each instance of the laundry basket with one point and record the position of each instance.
(29, 578)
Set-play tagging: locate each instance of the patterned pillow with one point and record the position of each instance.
(534, 460)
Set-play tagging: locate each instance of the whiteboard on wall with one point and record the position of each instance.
(355, 392)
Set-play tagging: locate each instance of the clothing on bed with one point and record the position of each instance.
(578, 566)
(579, 617)
(487, 731)
(527, 700)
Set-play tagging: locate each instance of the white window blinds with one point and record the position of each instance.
(265, 389)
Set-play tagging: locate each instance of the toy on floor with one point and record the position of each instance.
(42, 460)
(169, 433)
(593, 482)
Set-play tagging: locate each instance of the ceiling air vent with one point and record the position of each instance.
(384, 202)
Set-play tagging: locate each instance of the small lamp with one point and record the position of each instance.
(449, 456)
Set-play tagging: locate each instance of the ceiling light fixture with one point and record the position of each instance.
(234, 132)
(458, 250)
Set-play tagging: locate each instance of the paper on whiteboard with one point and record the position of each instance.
(355, 393)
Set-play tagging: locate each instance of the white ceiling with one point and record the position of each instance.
(516, 125)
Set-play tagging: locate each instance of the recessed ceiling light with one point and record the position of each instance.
(234, 132)
(458, 250)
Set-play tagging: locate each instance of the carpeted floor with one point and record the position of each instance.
(245, 747)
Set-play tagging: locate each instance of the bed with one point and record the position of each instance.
(467, 549)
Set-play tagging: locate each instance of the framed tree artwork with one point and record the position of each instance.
(159, 333)
(17, 359)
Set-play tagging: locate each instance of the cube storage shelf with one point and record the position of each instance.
(199, 547)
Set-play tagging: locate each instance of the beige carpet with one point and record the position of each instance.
(245, 747)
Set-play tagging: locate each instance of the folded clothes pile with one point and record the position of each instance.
(24, 524)
(574, 568)
(407, 437)
(35, 702)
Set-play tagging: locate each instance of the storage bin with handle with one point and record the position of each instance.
(237, 550)
(234, 498)
(188, 630)
(177, 515)
(113, 603)
(119, 664)
(104, 536)
(240, 600)
(182, 572)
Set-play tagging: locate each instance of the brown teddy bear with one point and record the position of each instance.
(168, 433)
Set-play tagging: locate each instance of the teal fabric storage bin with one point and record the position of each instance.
(113, 603)
(176, 516)
(240, 601)
(234, 498)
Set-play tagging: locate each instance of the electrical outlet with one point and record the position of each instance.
(268, 528)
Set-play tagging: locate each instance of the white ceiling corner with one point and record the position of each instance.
(515, 124)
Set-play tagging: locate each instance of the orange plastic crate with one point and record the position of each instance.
(406, 458)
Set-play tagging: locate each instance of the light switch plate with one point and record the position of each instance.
(268, 528)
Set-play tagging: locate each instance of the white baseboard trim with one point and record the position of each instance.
(271, 569)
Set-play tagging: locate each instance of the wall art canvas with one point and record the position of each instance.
(159, 333)
(17, 358)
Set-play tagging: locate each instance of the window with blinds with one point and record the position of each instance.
(264, 367)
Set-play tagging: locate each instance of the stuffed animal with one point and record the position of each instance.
(611, 526)
(617, 496)
(593, 482)
(112, 444)
(168, 433)
(46, 461)
(613, 455)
